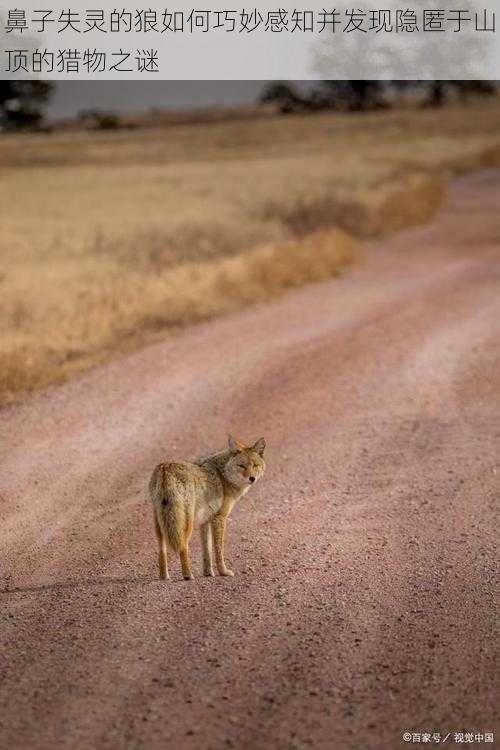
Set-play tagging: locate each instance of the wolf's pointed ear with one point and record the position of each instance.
(234, 445)
(260, 446)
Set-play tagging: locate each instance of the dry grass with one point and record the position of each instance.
(108, 239)
(80, 327)
(365, 211)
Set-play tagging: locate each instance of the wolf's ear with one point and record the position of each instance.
(260, 446)
(234, 445)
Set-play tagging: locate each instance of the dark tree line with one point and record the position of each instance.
(359, 96)
(21, 103)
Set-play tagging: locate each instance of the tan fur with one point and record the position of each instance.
(201, 494)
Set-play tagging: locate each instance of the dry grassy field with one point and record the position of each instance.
(109, 239)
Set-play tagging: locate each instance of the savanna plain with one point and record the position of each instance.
(109, 240)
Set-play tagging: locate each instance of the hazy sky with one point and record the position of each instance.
(71, 97)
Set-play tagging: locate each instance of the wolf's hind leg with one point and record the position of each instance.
(162, 558)
(206, 545)
(184, 552)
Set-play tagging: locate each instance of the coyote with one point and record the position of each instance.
(202, 494)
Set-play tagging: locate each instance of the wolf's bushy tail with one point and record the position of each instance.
(169, 509)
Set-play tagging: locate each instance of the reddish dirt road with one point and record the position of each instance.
(363, 602)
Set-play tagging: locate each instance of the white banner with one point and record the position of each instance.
(424, 40)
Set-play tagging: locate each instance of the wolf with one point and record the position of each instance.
(202, 494)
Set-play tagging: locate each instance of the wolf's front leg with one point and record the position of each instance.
(219, 529)
(185, 563)
(206, 545)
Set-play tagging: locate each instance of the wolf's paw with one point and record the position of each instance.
(189, 577)
(227, 572)
(209, 573)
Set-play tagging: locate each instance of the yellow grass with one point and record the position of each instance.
(109, 239)
(84, 323)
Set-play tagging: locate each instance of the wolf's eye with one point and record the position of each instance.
(241, 466)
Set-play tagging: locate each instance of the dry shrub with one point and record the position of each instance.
(401, 201)
(491, 157)
(267, 271)
(195, 291)
(24, 369)
(405, 202)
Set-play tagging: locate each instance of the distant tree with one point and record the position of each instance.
(94, 119)
(356, 96)
(466, 89)
(364, 96)
(284, 95)
(21, 103)
(339, 95)
(437, 93)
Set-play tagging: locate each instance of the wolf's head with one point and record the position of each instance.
(246, 463)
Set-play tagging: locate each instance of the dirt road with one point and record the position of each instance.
(363, 602)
